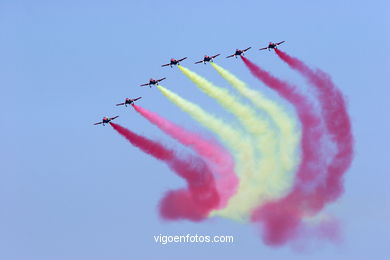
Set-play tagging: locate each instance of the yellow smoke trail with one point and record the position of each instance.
(289, 135)
(238, 143)
(268, 181)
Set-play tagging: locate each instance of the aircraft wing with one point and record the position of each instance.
(230, 56)
(98, 123)
(112, 118)
(215, 56)
(199, 62)
(182, 59)
(142, 85)
(280, 42)
(264, 48)
(160, 79)
(135, 99)
(246, 49)
(120, 104)
(165, 65)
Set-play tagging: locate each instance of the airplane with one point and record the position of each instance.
(173, 62)
(106, 120)
(238, 53)
(207, 59)
(152, 82)
(272, 45)
(128, 101)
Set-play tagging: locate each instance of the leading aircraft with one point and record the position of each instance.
(207, 59)
(272, 45)
(128, 101)
(152, 82)
(106, 120)
(173, 62)
(238, 53)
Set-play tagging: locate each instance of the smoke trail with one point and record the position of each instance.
(220, 161)
(337, 122)
(282, 219)
(289, 135)
(193, 203)
(268, 180)
(237, 143)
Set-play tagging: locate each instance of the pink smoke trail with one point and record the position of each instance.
(193, 203)
(281, 220)
(337, 122)
(219, 159)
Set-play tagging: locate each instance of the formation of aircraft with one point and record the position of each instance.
(207, 59)
(173, 62)
(106, 120)
(128, 101)
(152, 82)
(272, 45)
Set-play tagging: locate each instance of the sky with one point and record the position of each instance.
(71, 190)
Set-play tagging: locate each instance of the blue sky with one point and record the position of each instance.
(70, 190)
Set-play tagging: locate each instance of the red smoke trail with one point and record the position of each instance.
(194, 203)
(337, 122)
(282, 219)
(220, 160)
